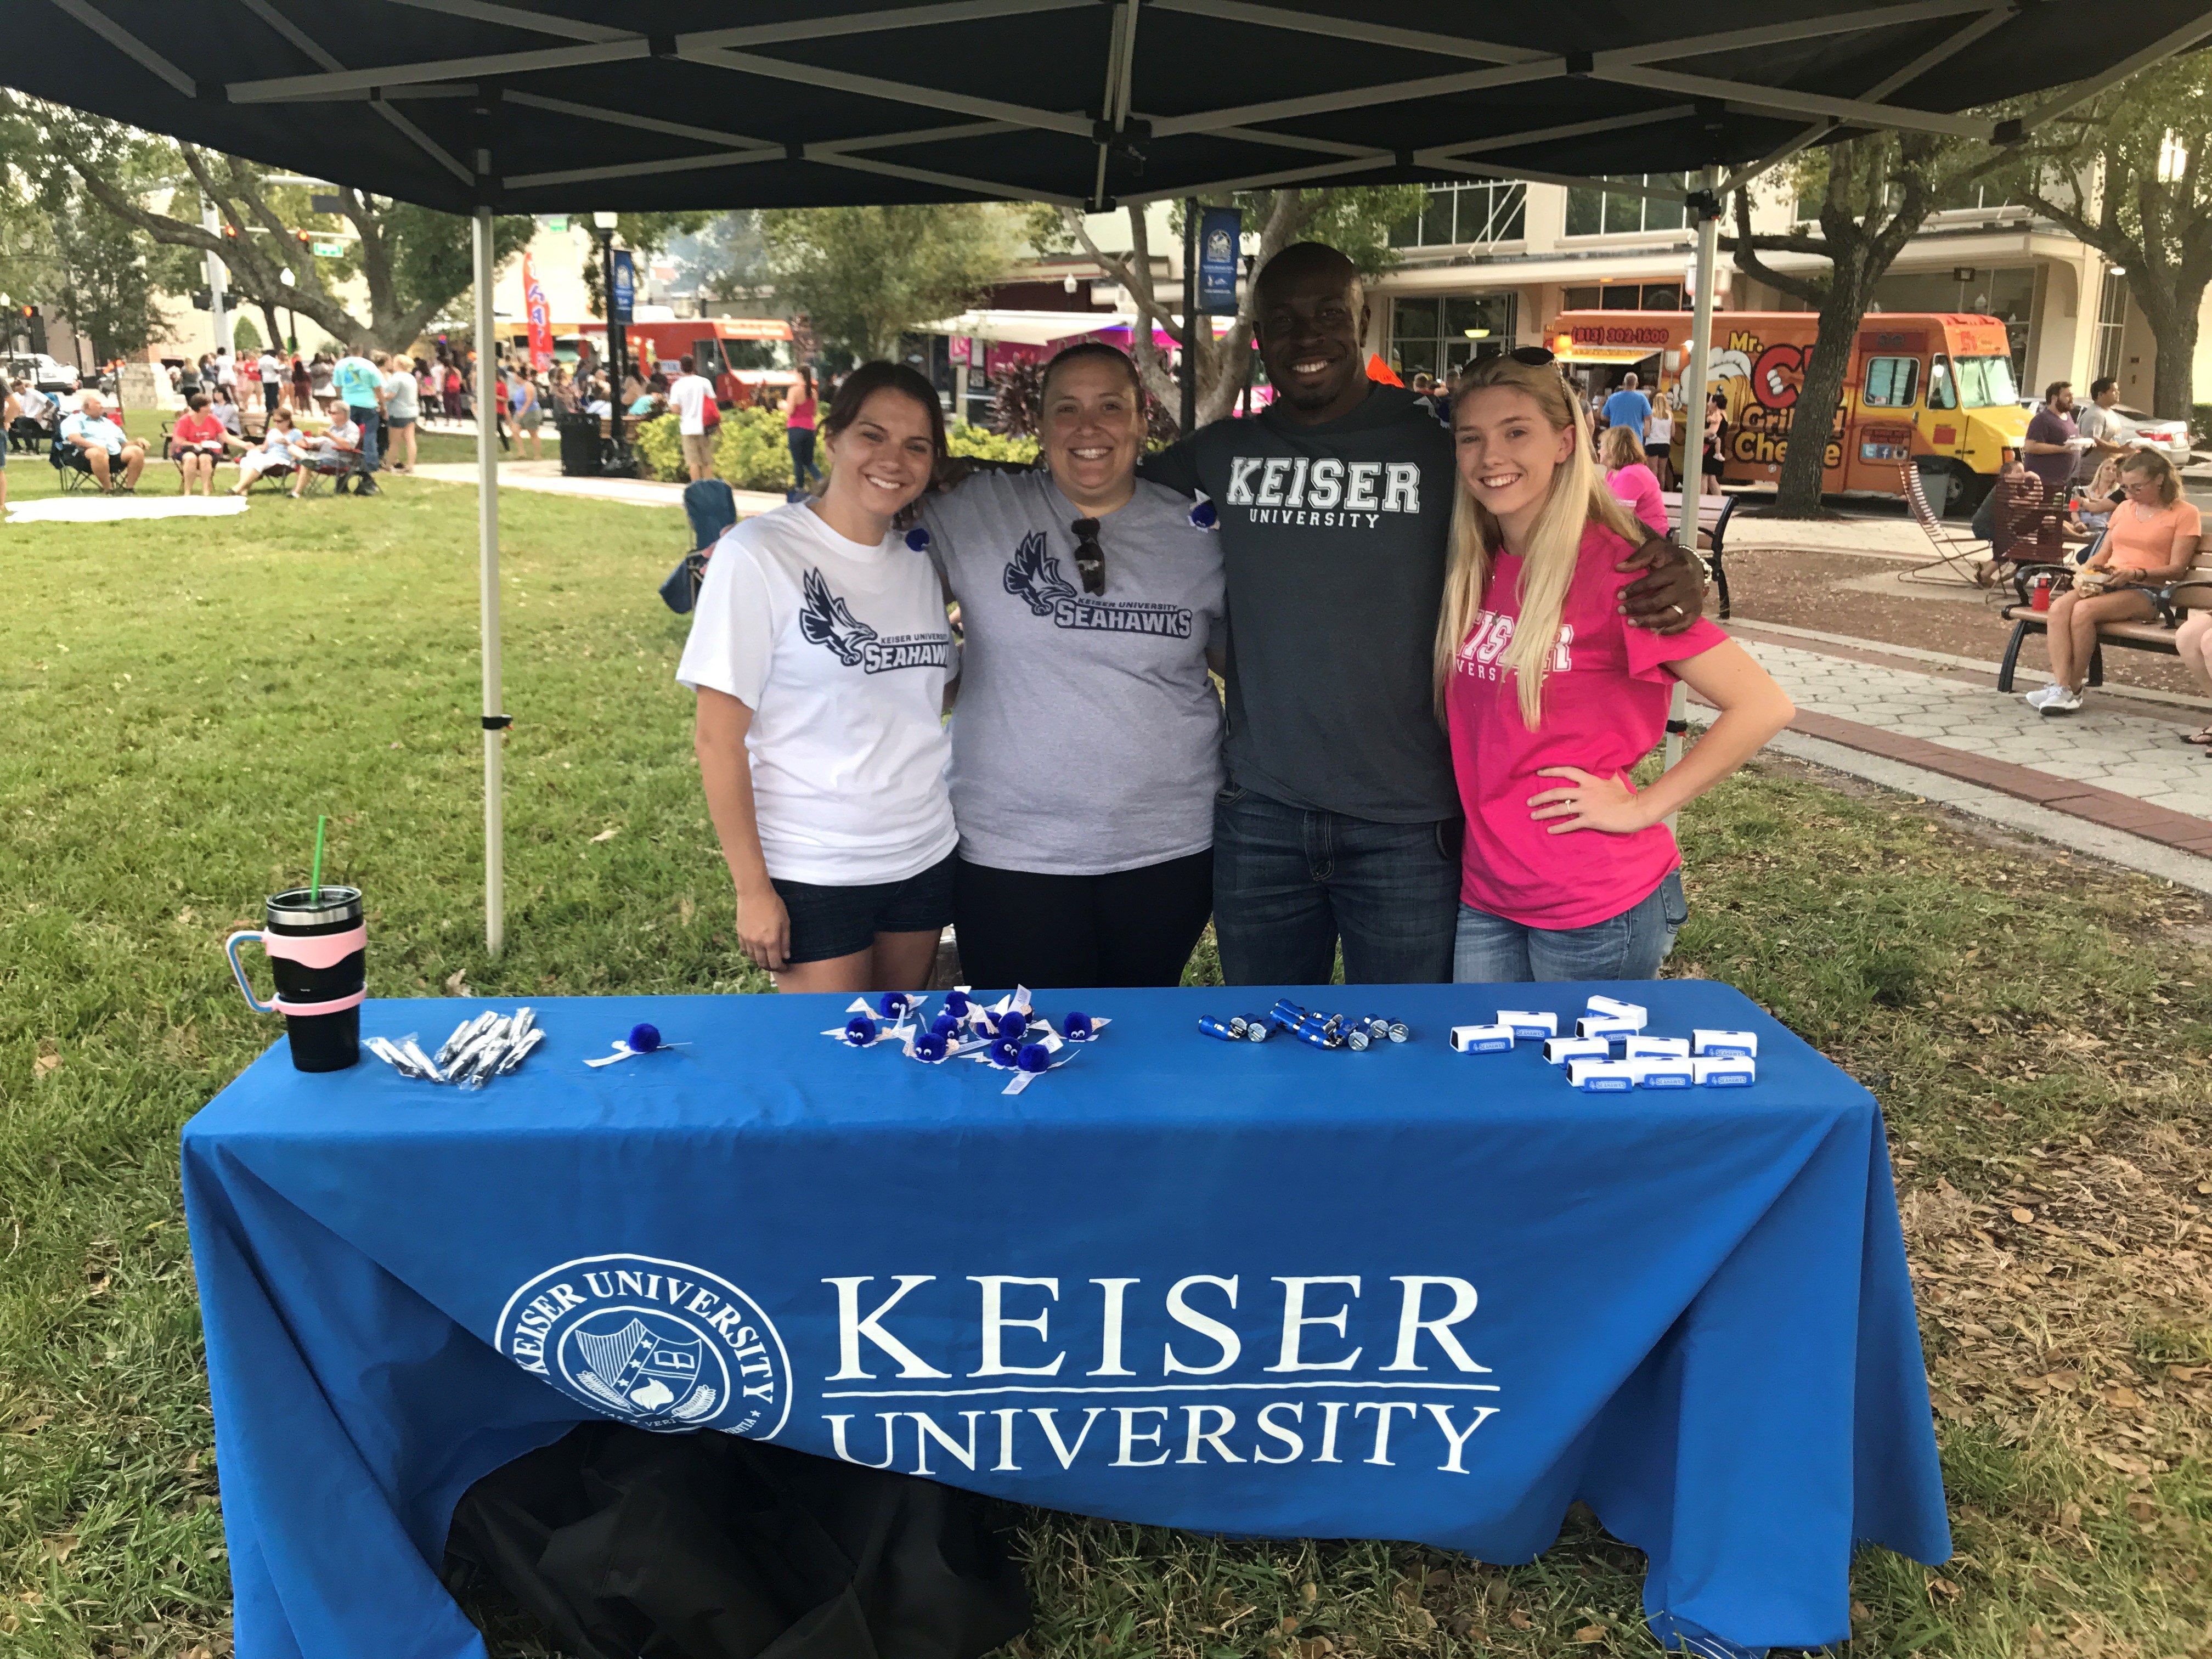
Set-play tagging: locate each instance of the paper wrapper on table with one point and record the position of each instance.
(1745, 1043)
(1601, 1076)
(1633, 1011)
(1663, 1072)
(1651, 1048)
(1724, 1070)
(1559, 1050)
(1610, 1027)
(1527, 1027)
(1481, 1039)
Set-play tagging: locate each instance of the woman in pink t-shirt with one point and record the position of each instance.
(798, 432)
(1568, 873)
(1629, 478)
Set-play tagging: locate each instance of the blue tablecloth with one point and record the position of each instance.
(1251, 1289)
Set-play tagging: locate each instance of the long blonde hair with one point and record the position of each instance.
(1579, 495)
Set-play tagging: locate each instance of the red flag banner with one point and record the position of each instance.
(541, 318)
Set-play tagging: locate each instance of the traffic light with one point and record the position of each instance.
(203, 299)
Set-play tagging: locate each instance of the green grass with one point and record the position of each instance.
(185, 697)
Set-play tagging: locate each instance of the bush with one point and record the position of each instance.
(751, 453)
(2200, 422)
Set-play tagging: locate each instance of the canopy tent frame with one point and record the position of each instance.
(471, 111)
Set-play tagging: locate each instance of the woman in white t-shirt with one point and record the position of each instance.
(820, 652)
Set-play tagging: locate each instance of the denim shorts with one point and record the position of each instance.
(1490, 949)
(827, 922)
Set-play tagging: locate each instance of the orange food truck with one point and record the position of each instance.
(1935, 387)
(705, 340)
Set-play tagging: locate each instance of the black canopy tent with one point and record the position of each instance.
(481, 107)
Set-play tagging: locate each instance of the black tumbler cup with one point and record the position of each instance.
(317, 946)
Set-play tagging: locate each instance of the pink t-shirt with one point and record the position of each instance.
(1605, 705)
(1639, 488)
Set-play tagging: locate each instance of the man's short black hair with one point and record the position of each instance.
(1299, 260)
(2101, 385)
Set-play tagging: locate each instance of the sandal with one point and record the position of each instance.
(2202, 739)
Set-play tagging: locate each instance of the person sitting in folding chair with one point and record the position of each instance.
(197, 442)
(95, 445)
(278, 454)
(334, 453)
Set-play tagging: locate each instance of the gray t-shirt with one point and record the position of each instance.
(1087, 737)
(2093, 422)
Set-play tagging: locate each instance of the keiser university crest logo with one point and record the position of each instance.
(1033, 576)
(660, 1345)
(824, 619)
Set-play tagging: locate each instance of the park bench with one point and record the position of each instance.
(1713, 514)
(2193, 593)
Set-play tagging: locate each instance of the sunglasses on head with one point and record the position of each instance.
(1534, 356)
(1089, 557)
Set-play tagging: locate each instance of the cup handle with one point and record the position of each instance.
(230, 948)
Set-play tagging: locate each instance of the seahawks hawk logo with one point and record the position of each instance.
(826, 620)
(1033, 576)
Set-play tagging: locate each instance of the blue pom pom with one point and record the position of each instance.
(1034, 1057)
(1014, 1024)
(956, 1004)
(644, 1038)
(929, 1047)
(943, 1026)
(918, 539)
(1204, 516)
(1004, 1053)
(895, 1005)
(859, 1031)
(1076, 1028)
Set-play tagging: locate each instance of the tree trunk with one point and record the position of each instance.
(2173, 367)
(1797, 491)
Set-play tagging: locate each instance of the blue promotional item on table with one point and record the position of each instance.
(1435, 1296)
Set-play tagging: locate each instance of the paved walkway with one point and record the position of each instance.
(545, 478)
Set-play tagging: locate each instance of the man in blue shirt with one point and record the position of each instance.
(360, 383)
(1630, 408)
(102, 447)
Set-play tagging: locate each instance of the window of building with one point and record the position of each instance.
(2006, 292)
(1592, 212)
(1625, 296)
(1437, 336)
(2111, 324)
(1891, 382)
(1467, 216)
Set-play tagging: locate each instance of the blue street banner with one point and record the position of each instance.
(1255, 1289)
(625, 286)
(1220, 241)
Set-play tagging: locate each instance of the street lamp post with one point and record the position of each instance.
(617, 355)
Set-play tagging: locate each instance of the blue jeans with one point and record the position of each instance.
(1289, 882)
(801, 440)
(1491, 949)
(367, 420)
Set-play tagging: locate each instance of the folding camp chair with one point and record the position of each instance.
(321, 466)
(72, 468)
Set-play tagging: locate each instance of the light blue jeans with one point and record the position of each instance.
(1490, 949)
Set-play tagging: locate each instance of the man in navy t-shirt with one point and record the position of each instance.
(1628, 407)
(1340, 819)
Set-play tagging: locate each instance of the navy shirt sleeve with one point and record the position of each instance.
(1173, 468)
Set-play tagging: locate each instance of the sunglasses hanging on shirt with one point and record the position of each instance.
(1089, 557)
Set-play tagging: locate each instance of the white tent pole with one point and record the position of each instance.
(495, 722)
(1692, 414)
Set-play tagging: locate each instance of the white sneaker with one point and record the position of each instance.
(2038, 698)
(2065, 702)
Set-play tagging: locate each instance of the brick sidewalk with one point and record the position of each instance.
(2118, 764)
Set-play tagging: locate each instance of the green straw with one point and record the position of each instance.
(315, 881)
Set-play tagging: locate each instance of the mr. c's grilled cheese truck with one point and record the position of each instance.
(1933, 387)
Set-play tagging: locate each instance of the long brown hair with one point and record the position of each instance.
(2160, 469)
(864, 382)
(1579, 493)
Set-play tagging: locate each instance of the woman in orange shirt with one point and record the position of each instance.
(2149, 546)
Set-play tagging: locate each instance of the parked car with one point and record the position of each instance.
(43, 372)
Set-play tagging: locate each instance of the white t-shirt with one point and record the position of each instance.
(226, 373)
(690, 395)
(269, 369)
(842, 652)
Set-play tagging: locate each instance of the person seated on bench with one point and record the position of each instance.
(96, 445)
(2099, 497)
(197, 442)
(33, 422)
(1629, 474)
(2148, 547)
(278, 451)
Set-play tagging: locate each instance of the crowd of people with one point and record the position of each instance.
(1625, 406)
(1425, 768)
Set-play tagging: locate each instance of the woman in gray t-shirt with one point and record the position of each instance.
(1086, 738)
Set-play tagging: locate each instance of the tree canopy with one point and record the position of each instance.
(863, 275)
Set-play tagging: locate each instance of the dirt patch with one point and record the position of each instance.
(1840, 593)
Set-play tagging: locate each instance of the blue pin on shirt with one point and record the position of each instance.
(917, 540)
